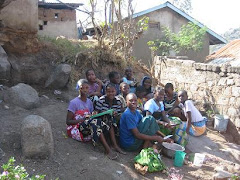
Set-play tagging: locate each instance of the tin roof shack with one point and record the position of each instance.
(57, 19)
(170, 16)
(227, 55)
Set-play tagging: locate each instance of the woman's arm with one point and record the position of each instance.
(164, 117)
(189, 121)
(148, 113)
(70, 119)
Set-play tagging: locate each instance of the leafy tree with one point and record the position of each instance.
(184, 5)
(190, 37)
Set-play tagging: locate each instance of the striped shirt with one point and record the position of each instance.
(103, 104)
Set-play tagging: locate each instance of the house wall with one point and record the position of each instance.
(64, 25)
(212, 85)
(21, 15)
(168, 18)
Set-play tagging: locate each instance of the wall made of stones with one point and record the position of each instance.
(212, 85)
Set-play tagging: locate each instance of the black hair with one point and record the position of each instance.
(168, 85)
(87, 71)
(112, 74)
(80, 83)
(110, 85)
(140, 89)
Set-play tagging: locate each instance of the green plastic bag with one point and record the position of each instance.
(147, 157)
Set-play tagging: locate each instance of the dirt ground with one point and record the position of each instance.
(75, 160)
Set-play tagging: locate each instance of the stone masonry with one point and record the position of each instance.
(217, 86)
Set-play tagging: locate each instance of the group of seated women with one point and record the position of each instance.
(132, 113)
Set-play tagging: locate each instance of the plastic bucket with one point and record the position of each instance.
(179, 158)
(198, 159)
(220, 122)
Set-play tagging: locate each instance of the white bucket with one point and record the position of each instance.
(220, 122)
(198, 159)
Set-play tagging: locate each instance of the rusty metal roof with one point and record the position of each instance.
(229, 53)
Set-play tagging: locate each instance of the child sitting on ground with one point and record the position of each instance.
(155, 105)
(124, 87)
(82, 128)
(130, 80)
(140, 93)
(196, 123)
(171, 102)
(95, 85)
(135, 132)
(114, 78)
(147, 84)
(106, 102)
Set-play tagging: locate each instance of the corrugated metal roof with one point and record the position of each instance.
(226, 54)
(214, 37)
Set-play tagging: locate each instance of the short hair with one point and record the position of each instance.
(80, 83)
(183, 91)
(112, 74)
(109, 85)
(87, 71)
(168, 85)
(157, 89)
(123, 83)
(140, 89)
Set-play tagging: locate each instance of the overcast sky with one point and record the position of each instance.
(218, 15)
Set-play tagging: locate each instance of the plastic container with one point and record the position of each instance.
(179, 158)
(198, 159)
(220, 122)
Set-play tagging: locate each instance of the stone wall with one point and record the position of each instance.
(217, 87)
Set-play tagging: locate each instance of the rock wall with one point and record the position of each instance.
(215, 87)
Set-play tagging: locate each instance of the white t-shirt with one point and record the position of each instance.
(189, 107)
(152, 106)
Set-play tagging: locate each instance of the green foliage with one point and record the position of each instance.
(65, 46)
(142, 24)
(12, 172)
(190, 37)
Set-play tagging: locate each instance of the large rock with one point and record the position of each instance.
(22, 95)
(36, 137)
(4, 65)
(59, 78)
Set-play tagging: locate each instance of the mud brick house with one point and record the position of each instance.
(57, 19)
(170, 16)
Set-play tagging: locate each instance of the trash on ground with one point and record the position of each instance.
(45, 96)
(119, 172)
(57, 92)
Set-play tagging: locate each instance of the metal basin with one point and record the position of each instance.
(169, 149)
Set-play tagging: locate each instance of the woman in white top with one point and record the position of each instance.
(196, 123)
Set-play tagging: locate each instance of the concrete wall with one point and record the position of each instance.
(168, 18)
(21, 15)
(205, 83)
(64, 25)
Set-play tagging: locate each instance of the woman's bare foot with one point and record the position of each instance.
(118, 149)
(111, 155)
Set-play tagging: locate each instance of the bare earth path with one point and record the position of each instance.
(75, 160)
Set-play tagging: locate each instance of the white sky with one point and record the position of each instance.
(218, 15)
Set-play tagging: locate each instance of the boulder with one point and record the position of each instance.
(59, 78)
(5, 66)
(36, 137)
(22, 95)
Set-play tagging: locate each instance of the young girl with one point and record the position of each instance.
(124, 87)
(140, 93)
(171, 101)
(106, 102)
(130, 80)
(95, 85)
(147, 84)
(79, 126)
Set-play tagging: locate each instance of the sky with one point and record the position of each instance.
(218, 15)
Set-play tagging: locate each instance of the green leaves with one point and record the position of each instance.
(10, 171)
(190, 37)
